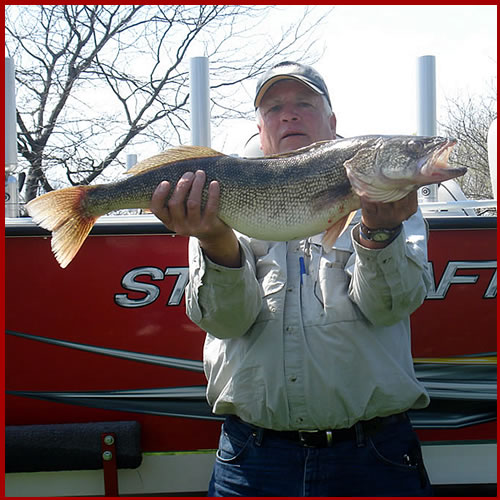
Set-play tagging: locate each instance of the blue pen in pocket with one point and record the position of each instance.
(302, 269)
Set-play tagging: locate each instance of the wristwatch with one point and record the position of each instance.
(380, 235)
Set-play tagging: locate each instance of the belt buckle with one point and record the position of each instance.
(304, 433)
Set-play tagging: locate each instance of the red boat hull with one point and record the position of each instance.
(107, 338)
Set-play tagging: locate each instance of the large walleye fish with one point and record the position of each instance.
(277, 198)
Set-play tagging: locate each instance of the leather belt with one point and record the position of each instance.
(327, 438)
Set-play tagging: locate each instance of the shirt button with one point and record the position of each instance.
(293, 378)
(299, 420)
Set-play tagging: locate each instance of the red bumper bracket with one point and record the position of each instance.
(108, 448)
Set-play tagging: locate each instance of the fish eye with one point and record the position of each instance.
(416, 147)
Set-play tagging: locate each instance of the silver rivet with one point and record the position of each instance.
(107, 455)
(109, 440)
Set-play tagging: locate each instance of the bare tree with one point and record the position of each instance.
(93, 79)
(468, 120)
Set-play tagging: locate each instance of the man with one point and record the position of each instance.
(307, 351)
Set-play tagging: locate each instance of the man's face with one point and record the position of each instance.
(293, 116)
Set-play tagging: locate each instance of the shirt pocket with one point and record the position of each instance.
(271, 285)
(329, 301)
(270, 277)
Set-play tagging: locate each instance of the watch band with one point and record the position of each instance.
(380, 235)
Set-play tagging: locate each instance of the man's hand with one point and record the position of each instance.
(376, 215)
(184, 215)
(388, 215)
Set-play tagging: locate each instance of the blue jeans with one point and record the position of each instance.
(251, 462)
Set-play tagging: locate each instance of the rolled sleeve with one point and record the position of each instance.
(389, 284)
(221, 300)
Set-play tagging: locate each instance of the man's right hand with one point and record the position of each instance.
(183, 214)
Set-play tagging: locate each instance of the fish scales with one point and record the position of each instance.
(269, 197)
(277, 199)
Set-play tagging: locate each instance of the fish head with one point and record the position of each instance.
(387, 168)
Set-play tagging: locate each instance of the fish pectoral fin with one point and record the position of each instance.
(171, 156)
(333, 232)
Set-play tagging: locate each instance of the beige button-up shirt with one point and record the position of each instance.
(301, 338)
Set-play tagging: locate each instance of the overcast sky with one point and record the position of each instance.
(370, 65)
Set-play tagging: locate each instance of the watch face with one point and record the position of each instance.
(381, 237)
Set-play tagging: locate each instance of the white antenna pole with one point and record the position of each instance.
(200, 101)
(10, 115)
(131, 160)
(11, 184)
(426, 97)
(492, 155)
(426, 110)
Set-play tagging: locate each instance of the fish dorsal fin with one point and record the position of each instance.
(171, 156)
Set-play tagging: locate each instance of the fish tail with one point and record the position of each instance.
(63, 213)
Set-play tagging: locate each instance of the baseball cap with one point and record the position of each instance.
(288, 70)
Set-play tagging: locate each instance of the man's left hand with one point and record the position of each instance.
(377, 215)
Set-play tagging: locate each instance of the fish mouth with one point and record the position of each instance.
(436, 168)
